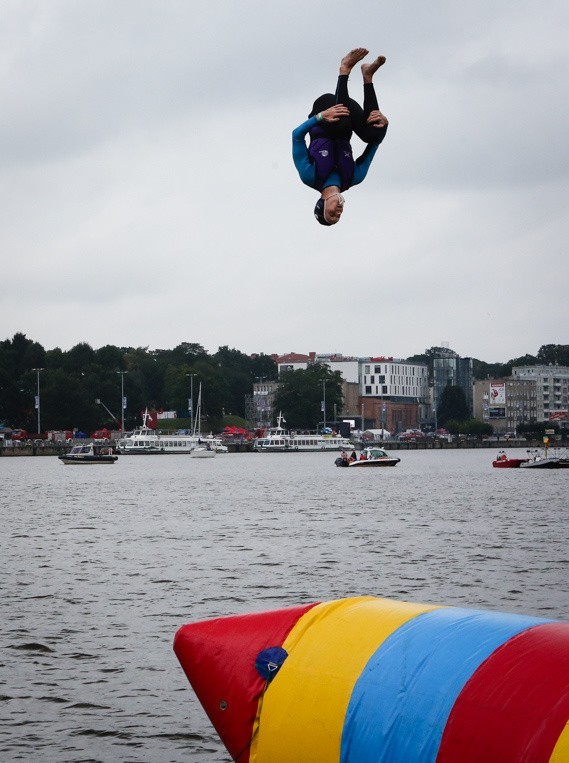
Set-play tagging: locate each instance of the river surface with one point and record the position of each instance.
(100, 565)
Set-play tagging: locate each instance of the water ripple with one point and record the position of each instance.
(99, 571)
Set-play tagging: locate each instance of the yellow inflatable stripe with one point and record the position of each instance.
(302, 713)
(560, 753)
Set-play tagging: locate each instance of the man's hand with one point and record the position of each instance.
(376, 119)
(334, 113)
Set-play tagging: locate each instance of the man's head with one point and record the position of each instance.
(328, 210)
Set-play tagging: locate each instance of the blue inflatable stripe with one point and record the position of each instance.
(401, 702)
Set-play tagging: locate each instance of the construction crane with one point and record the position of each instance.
(112, 415)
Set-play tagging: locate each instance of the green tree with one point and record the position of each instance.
(299, 395)
(477, 427)
(554, 353)
(452, 405)
(264, 367)
(237, 373)
(482, 370)
(524, 360)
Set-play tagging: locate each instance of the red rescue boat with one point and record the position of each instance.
(503, 462)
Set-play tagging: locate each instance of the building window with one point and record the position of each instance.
(368, 390)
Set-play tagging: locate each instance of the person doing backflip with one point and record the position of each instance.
(327, 164)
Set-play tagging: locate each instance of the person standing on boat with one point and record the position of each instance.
(327, 164)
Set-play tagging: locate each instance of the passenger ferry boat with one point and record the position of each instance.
(147, 441)
(279, 440)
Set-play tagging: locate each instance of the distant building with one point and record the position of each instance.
(552, 390)
(450, 369)
(506, 403)
(384, 391)
(262, 403)
(293, 361)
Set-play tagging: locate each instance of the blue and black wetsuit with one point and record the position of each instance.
(329, 160)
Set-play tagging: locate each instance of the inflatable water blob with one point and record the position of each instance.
(372, 680)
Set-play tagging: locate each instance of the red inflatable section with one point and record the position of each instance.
(218, 657)
(516, 704)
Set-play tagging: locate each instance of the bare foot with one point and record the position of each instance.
(368, 70)
(351, 59)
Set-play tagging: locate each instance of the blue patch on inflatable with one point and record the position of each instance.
(269, 661)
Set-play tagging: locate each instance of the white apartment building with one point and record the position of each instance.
(348, 366)
(552, 389)
(386, 377)
(382, 376)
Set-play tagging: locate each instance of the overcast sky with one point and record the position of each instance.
(148, 195)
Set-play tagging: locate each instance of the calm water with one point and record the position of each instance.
(100, 566)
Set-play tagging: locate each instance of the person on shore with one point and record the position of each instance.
(327, 164)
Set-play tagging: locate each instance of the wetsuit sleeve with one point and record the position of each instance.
(364, 161)
(300, 155)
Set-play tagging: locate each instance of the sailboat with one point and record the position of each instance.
(203, 449)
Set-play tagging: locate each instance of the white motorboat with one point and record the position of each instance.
(203, 451)
(280, 440)
(371, 456)
(90, 453)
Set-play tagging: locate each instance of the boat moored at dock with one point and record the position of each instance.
(147, 441)
(281, 440)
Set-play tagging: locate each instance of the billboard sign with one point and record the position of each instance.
(497, 393)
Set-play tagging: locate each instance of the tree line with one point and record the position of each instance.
(72, 381)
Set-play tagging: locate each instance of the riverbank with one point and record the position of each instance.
(53, 449)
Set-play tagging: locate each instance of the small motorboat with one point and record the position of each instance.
(89, 454)
(541, 460)
(503, 462)
(371, 456)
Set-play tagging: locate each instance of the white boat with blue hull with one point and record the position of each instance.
(280, 440)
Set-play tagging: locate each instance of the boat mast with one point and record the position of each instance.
(197, 420)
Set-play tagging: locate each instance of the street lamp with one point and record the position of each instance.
(191, 402)
(323, 404)
(123, 400)
(37, 370)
